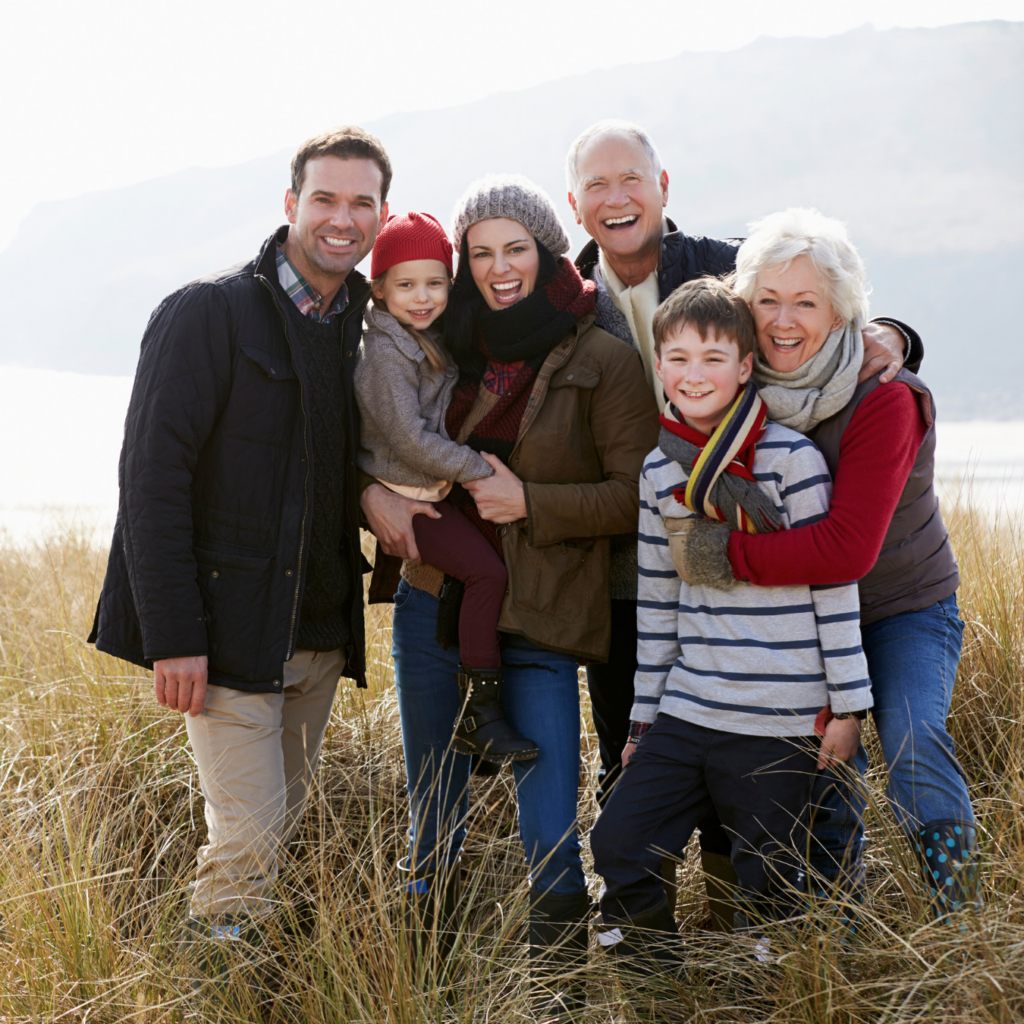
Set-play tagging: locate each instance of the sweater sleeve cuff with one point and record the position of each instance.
(645, 713)
(737, 562)
(913, 353)
(851, 701)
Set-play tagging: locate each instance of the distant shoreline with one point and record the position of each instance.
(62, 436)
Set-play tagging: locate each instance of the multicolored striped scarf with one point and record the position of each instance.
(720, 480)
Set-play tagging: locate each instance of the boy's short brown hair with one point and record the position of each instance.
(703, 303)
(349, 142)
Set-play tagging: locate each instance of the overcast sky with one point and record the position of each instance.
(109, 92)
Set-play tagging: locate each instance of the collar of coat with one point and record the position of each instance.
(589, 254)
(266, 267)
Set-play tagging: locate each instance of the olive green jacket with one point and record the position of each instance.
(589, 423)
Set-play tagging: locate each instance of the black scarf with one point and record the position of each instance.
(532, 327)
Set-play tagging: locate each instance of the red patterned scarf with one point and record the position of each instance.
(720, 479)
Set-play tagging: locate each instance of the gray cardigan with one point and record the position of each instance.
(402, 401)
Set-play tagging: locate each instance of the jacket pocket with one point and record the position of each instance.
(576, 375)
(566, 404)
(552, 580)
(276, 365)
(235, 589)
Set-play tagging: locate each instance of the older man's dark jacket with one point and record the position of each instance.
(683, 258)
(216, 475)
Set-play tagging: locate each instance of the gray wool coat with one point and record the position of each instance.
(402, 401)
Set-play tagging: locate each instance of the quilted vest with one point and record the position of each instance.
(916, 566)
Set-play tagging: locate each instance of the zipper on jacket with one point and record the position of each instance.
(305, 482)
(305, 445)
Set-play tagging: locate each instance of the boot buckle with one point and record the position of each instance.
(469, 723)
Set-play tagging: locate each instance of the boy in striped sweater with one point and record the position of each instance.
(730, 682)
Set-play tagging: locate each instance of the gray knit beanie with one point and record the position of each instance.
(515, 197)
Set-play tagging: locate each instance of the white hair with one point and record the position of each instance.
(609, 127)
(780, 237)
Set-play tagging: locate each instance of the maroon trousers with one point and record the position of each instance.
(456, 547)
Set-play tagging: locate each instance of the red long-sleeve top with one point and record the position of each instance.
(876, 455)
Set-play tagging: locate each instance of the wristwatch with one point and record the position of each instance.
(859, 715)
(637, 730)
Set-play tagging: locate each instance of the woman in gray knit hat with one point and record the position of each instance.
(562, 412)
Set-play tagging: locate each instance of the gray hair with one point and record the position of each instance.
(610, 127)
(780, 237)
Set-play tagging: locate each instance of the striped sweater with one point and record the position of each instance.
(760, 661)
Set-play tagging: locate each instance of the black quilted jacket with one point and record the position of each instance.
(211, 542)
(683, 258)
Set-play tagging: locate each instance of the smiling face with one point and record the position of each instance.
(792, 313)
(619, 197)
(416, 292)
(701, 376)
(503, 259)
(335, 219)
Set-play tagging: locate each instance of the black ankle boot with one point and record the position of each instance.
(484, 769)
(430, 903)
(948, 850)
(481, 727)
(558, 952)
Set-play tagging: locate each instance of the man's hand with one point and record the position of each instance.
(390, 518)
(180, 683)
(840, 742)
(499, 498)
(627, 752)
(884, 348)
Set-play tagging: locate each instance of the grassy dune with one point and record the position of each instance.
(100, 817)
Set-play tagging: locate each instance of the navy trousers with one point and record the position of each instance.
(760, 787)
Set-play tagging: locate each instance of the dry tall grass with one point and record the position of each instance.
(100, 817)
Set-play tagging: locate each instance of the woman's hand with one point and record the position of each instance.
(840, 742)
(499, 498)
(627, 752)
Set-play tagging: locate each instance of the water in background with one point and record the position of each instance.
(60, 437)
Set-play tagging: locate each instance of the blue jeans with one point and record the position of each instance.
(542, 701)
(912, 660)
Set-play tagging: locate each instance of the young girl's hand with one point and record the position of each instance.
(499, 498)
(840, 742)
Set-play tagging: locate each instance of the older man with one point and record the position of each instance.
(618, 191)
(235, 573)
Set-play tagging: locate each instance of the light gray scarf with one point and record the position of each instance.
(804, 397)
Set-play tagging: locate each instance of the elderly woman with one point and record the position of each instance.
(805, 285)
(563, 413)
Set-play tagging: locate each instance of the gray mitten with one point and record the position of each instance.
(700, 552)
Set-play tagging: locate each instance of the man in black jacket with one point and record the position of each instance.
(618, 190)
(235, 572)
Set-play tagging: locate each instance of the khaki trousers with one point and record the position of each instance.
(257, 755)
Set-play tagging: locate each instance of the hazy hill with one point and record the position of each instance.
(913, 136)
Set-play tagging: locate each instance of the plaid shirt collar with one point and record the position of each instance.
(307, 299)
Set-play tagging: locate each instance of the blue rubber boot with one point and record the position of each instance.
(949, 850)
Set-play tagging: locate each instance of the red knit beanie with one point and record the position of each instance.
(413, 236)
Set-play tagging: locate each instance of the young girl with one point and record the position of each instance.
(403, 382)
